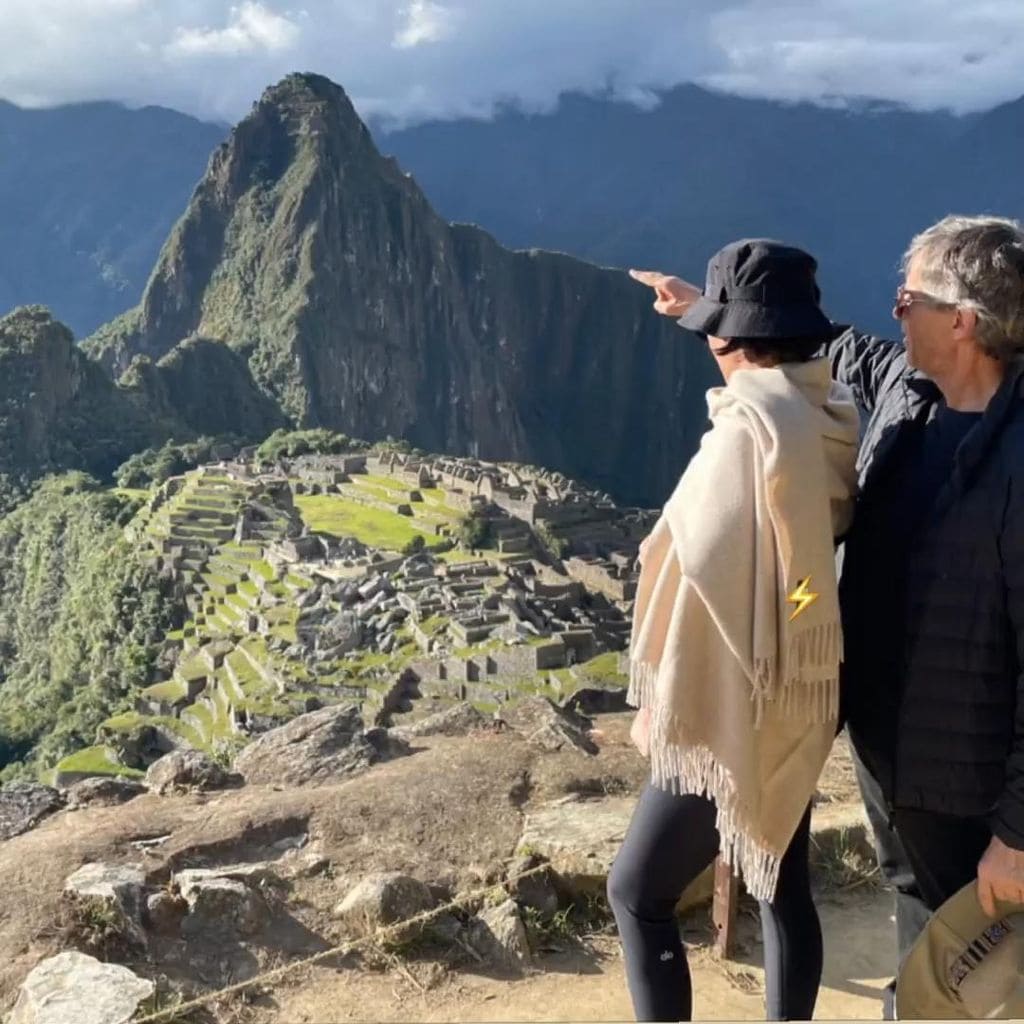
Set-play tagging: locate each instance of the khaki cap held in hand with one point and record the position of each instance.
(965, 965)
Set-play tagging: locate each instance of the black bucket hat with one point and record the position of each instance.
(759, 288)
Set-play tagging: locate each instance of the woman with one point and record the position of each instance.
(736, 638)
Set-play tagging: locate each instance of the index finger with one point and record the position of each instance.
(986, 897)
(648, 277)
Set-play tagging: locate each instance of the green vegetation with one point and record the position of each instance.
(290, 443)
(552, 543)
(58, 409)
(340, 517)
(604, 669)
(474, 531)
(81, 621)
(100, 760)
(155, 465)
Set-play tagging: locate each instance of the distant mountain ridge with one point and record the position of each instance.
(666, 187)
(353, 306)
(88, 194)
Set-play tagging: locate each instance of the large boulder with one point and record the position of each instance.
(499, 936)
(537, 890)
(385, 899)
(188, 770)
(223, 906)
(24, 804)
(457, 720)
(119, 887)
(581, 839)
(321, 746)
(103, 791)
(74, 987)
(549, 727)
(596, 700)
(164, 912)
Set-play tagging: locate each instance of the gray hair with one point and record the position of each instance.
(977, 263)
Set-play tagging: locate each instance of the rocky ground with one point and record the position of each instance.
(196, 888)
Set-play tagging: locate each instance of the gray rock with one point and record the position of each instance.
(499, 936)
(365, 611)
(191, 879)
(75, 987)
(119, 886)
(103, 792)
(164, 912)
(223, 906)
(23, 805)
(372, 588)
(457, 720)
(548, 727)
(185, 770)
(581, 839)
(343, 633)
(320, 746)
(537, 890)
(445, 928)
(384, 899)
(596, 700)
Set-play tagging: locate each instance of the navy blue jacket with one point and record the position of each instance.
(956, 743)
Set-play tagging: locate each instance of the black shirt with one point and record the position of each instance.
(887, 520)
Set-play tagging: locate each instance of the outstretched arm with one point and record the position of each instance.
(865, 363)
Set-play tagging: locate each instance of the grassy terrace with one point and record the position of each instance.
(169, 691)
(101, 760)
(340, 517)
(132, 720)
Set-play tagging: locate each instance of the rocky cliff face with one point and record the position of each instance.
(357, 308)
(58, 409)
(205, 385)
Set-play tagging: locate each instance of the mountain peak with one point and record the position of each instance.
(352, 306)
(309, 101)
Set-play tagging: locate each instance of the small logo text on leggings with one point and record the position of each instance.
(667, 955)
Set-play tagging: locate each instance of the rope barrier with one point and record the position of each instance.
(343, 949)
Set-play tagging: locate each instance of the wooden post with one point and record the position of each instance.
(723, 910)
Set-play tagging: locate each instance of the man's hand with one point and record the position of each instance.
(639, 730)
(1000, 876)
(675, 296)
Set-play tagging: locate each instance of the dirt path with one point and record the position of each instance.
(589, 985)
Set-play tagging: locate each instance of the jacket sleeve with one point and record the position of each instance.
(1008, 820)
(861, 362)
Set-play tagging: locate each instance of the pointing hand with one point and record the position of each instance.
(674, 295)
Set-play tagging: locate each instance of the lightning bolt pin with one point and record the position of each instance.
(802, 597)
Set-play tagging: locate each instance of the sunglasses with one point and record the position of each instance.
(906, 297)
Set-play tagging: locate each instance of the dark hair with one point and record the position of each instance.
(775, 350)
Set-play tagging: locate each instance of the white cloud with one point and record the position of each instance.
(250, 28)
(411, 59)
(426, 22)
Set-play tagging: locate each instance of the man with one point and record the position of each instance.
(932, 587)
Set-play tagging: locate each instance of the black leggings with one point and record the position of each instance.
(671, 840)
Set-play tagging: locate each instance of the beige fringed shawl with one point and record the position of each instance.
(736, 633)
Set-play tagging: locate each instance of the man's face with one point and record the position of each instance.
(927, 325)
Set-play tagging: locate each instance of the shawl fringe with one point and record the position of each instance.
(642, 680)
(696, 770)
(801, 695)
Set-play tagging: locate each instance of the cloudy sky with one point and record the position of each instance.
(412, 59)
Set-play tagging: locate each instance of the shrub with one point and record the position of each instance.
(474, 530)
